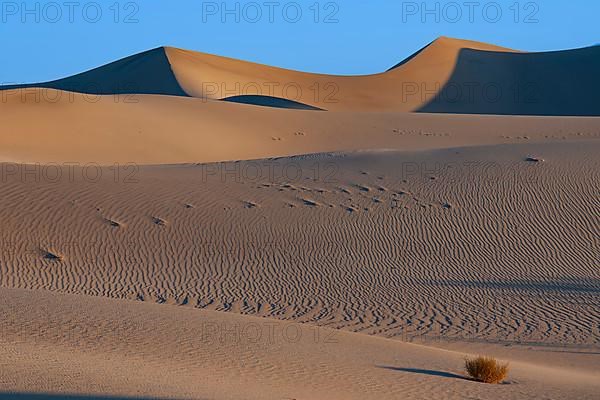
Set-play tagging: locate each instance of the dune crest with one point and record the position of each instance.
(446, 76)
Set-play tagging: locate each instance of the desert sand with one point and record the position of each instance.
(159, 242)
(149, 350)
(446, 76)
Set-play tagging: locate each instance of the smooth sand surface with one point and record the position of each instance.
(77, 344)
(359, 253)
(48, 126)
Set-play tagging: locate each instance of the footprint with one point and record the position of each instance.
(50, 256)
(309, 203)
(159, 221)
(533, 159)
(112, 223)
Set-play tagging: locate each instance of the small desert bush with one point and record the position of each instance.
(486, 369)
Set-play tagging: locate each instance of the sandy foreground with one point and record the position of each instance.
(79, 344)
(483, 250)
(167, 245)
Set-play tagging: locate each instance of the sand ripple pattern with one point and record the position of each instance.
(406, 245)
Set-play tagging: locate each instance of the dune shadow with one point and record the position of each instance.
(145, 73)
(429, 372)
(558, 83)
(563, 285)
(34, 396)
(592, 353)
(270, 101)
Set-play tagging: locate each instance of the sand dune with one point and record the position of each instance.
(59, 127)
(140, 213)
(447, 76)
(379, 92)
(73, 344)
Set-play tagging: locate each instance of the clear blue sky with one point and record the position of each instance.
(46, 40)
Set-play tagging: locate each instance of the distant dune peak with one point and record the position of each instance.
(469, 44)
(148, 72)
(451, 47)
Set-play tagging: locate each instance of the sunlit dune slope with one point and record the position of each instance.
(146, 129)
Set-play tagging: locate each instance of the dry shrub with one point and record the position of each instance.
(486, 369)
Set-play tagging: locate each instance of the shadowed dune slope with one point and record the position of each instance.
(145, 73)
(446, 76)
(553, 83)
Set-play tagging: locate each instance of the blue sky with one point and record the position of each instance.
(51, 39)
